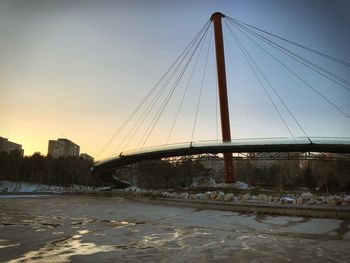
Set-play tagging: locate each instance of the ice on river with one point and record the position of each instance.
(114, 229)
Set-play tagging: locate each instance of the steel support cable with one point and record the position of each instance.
(322, 71)
(150, 107)
(278, 96)
(307, 63)
(345, 63)
(161, 110)
(155, 119)
(167, 99)
(137, 126)
(249, 59)
(155, 99)
(318, 69)
(201, 89)
(296, 75)
(150, 92)
(185, 92)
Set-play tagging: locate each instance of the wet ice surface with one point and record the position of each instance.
(100, 229)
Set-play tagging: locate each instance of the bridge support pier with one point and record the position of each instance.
(222, 86)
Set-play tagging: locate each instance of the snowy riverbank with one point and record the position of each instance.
(305, 198)
(24, 187)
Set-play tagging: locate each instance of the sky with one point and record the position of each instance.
(78, 69)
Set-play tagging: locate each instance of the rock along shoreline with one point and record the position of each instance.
(304, 204)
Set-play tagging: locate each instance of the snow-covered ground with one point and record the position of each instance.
(24, 187)
(237, 185)
(210, 182)
(304, 198)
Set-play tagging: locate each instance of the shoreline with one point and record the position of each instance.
(315, 211)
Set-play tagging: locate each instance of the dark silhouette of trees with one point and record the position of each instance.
(163, 174)
(45, 169)
(326, 175)
(10, 164)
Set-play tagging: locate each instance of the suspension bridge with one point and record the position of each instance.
(168, 83)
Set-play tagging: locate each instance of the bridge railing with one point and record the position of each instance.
(245, 141)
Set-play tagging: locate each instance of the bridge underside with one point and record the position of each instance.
(105, 168)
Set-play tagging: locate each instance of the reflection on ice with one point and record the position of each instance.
(6, 243)
(315, 226)
(63, 249)
(83, 232)
(136, 232)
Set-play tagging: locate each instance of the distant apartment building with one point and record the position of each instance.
(63, 148)
(87, 157)
(7, 146)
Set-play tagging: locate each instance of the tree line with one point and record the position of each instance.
(164, 174)
(62, 171)
(325, 175)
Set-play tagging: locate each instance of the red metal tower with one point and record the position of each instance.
(222, 86)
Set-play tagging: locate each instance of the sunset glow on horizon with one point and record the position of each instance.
(77, 70)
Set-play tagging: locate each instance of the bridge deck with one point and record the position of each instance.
(331, 145)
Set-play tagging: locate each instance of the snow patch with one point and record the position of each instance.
(24, 187)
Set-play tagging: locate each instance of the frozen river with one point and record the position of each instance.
(114, 229)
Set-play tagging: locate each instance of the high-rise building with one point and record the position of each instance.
(63, 148)
(87, 157)
(7, 146)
